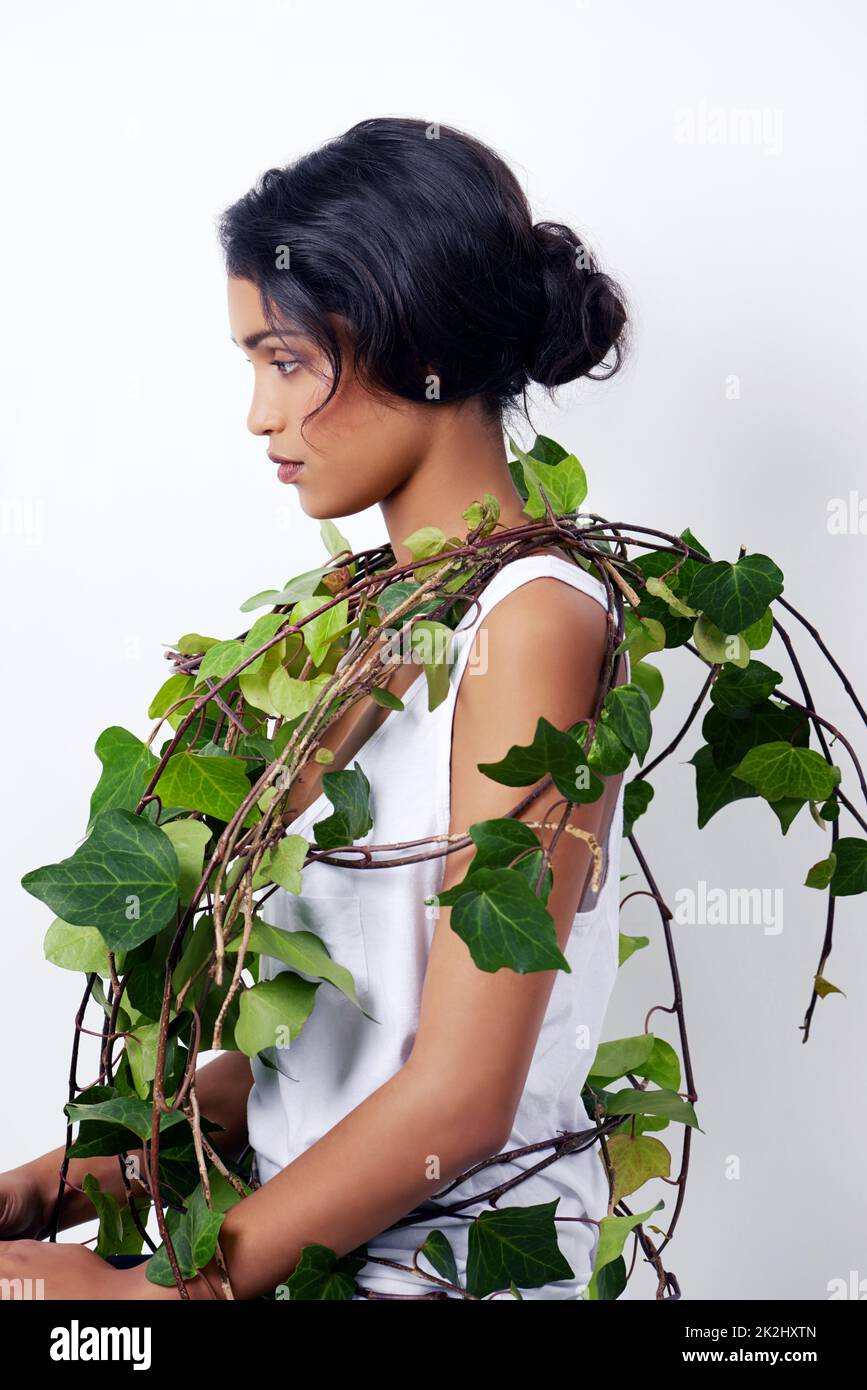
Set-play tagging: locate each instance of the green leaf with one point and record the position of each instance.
(127, 766)
(715, 789)
(779, 770)
(220, 660)
(759, 633)
(564, 482)
(348, 790)
(108, 1210)
(665, 1103)
(659, 589)
(641, 635)
(552, 751)
(321, 631)
(292, 697)
(320, 1275)
(737, 689)
(76, 948)
(283, 864)
(735, 595)
(850, 873)
(168, 694)
(615, 1059)
(273, 1012)
(613, 1233)
(335, 543)
(123, 880)
(215, 786)
(717, 646)
(627, 711)
(129, 1112)
(649, 679)
(821, 874)
(304, 951)
(628, 945)
(515, 1244)
(438, 1251)
(189, 838)
(432, 644)
(637, 796)
(503, 922)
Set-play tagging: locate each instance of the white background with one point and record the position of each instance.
(136, 506)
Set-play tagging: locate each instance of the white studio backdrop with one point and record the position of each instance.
(713, 156)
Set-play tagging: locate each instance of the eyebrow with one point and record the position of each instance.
(254, 339)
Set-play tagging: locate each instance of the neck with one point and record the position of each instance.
(464, 458)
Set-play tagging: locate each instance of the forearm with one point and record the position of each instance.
(222, 1088)
(398, 1147)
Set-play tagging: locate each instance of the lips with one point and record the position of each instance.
(287, 469)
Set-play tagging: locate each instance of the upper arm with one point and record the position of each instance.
(543, 646)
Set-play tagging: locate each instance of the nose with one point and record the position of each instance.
(264, 416)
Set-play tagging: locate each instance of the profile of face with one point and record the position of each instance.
(359, 450)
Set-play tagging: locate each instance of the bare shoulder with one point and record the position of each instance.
(542, 644)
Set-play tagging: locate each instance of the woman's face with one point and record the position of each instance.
(358, 450)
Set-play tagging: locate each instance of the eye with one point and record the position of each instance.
(291, 363)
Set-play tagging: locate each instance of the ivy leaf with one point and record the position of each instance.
(564, 482)
(515, 1244)
(283, 864)
(108, 1210)
(504, 923)
(432, 644)
(76, 948)
(321, 631)
(292, 697)
(215, 786)
(552, 751)
(129, 1112)
(734, 595)
(613, 1233)
(821, 874)
(649, 679)
(850, 873)
(615, 1059)
(628, 945)
(123, 880)
(637, 796)
(665, 1103)
(220, 659)
(438, 1251)
(732, 736)
(627, 711)
(714, 788)
(717, 646)
(676, 606)
(188, 838)
(320, 1275)
(273, 1012)
(304, 951)
(127, 766)
(348, 790)
(735, 690)
(779, 770)
(635, 1162)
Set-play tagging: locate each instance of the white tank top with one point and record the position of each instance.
(376, 923)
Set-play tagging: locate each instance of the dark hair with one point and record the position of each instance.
(421, 237)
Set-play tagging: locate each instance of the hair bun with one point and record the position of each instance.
(582, 313)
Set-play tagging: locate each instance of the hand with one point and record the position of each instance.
(72, 1271)
(55, 1271)
(22, 1208)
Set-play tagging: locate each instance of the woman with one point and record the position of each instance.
(395, 299)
